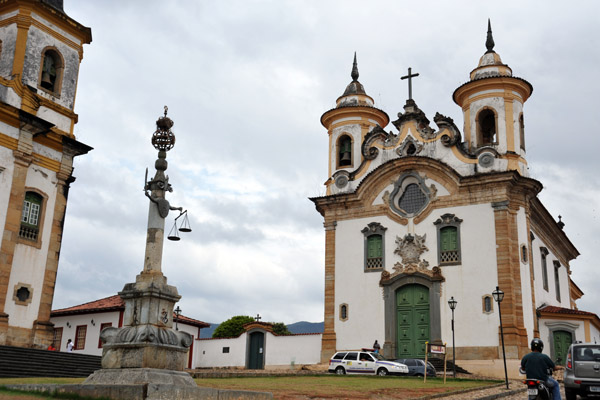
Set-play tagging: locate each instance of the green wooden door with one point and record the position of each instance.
(562, 341)
(413, 321)
(256, 351)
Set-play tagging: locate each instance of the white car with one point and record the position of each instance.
(364, 362)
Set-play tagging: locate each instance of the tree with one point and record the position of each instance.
(279, 328)
(233, 327)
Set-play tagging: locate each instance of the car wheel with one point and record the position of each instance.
(340, 371)
(382, 372)
(570, 394)
(419, 375)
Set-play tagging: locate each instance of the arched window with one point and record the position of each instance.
(487, 304)
(31, 216)
(344, 312)
(51, 71)
(344, 151)
(522, 131)
(544, 253)
(486, 126)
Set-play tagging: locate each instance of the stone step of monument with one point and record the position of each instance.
(24, 362)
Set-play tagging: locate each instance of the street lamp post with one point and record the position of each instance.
(452, 303)
(498, 297)
(177, 314)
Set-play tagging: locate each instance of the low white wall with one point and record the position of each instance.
(292, 349)
(278, 350)
(209, 352)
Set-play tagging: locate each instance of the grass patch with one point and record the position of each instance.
(293, 387)
(340, 387)
(6, 393)
(11, 394)
(23, 381)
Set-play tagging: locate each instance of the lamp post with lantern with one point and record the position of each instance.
(498, 297)
(452, 303)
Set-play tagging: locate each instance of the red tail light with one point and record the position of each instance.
(569, 365)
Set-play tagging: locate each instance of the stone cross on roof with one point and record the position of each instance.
(409, 77)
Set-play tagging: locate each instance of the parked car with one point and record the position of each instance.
(364, 362)
(582, 370)
(416, 367)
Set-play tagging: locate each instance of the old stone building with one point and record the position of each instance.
(40, 52)
(420, 215)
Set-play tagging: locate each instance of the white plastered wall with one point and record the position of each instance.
(6, 176)
(286, 350)
(92, 337)
(29, 262)
(526, 292)
(468, 282)
(548, 297)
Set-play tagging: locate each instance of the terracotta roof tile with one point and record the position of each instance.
(106, 304)
(561, 310)
(115, 303)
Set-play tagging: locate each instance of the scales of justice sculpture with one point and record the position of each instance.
(146, 349)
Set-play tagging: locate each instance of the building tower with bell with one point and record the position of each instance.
(40, 52)
(420, 215)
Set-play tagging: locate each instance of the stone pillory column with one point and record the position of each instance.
(146, 349)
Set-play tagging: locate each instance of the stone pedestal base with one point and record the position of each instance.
(138, 376)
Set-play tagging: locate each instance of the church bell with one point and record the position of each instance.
(345, 160)
(46, 82)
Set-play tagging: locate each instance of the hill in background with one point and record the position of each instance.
(296, 327)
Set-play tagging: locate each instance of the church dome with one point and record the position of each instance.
(490, 64)
(355, 94)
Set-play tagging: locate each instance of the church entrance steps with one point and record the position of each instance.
(16, 362)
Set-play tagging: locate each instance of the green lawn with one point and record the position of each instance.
(352, 387)
(319, 386)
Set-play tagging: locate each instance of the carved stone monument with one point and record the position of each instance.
(146, 349)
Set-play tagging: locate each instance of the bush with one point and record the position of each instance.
(233, 327)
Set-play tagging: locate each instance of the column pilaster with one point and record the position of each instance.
(329, 341)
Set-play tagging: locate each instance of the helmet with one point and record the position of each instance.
(537, 344)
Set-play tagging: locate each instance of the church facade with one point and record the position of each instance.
(426, 214)
(41, 49)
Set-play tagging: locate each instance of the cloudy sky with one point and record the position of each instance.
(246, 83)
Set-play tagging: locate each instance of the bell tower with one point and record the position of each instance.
(492, 104)
(347, 125)
(40, 51)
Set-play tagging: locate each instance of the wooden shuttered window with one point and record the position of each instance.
(80, 335)
(374, 251)
(449, 245)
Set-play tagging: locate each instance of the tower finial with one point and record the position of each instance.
(354, 73)
(489, 43)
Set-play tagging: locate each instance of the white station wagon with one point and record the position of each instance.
(364, 362)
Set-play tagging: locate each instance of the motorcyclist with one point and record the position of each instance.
(536, 366)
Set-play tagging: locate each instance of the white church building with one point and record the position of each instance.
(420, 215)
(414, 218)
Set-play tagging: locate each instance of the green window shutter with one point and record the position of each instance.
(448, 238)
(374, 246)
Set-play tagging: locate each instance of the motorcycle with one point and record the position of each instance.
(537, 389)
